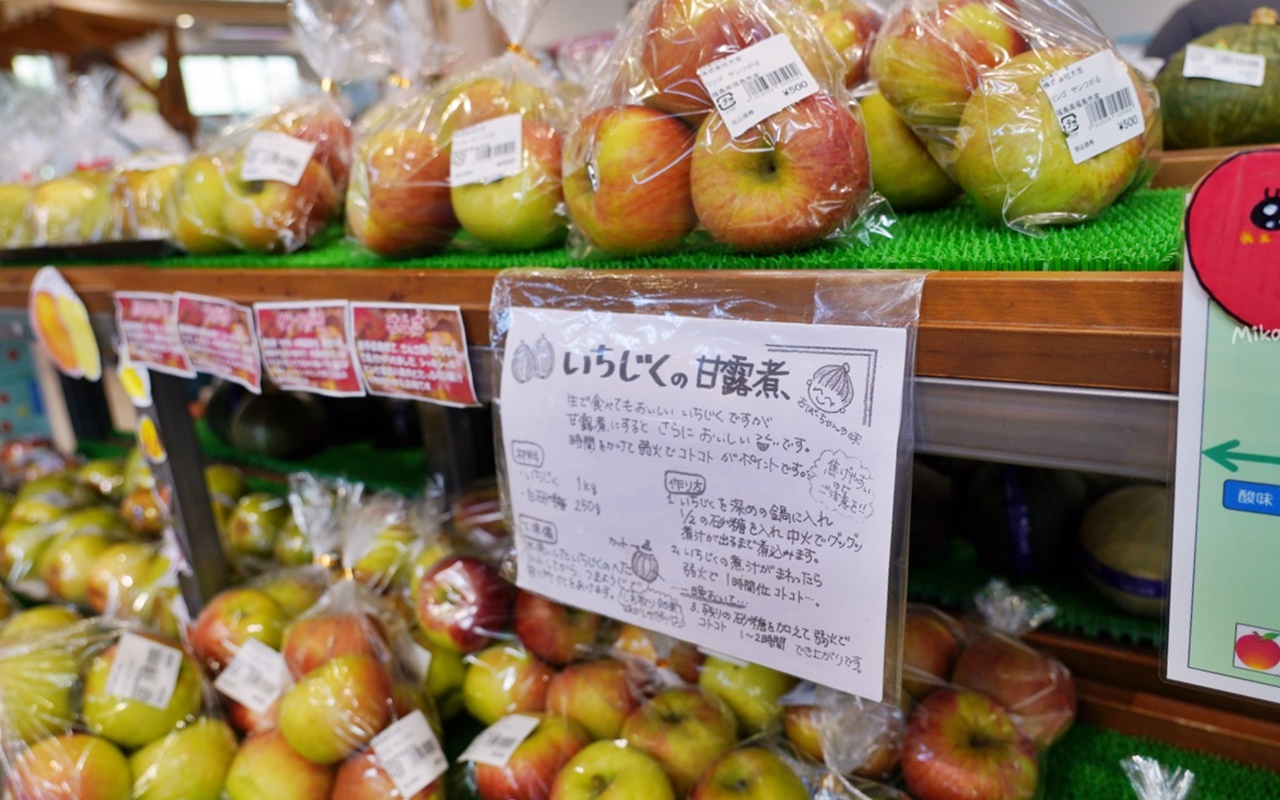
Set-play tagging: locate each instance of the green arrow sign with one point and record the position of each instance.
(1226, 455)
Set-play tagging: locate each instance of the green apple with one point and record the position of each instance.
(132, 723)
(685, 729)
(21, 545)
(612, 770)
(38, 621)
(57, 205)
(521, 211)
(190, 763)
(295, 590)
(445, 674)
(1014, 160)
(293, 546)
(902, 170)
(749, 773)
(388, 560)
(122, 573)
(67, 559)
(45, 499)
(255, 523)
(337, 708)
(196, 206)
(751, 690)
(267, 768)
(73, 766)
(598, 695)
(39, 684)
(436, 549)
(15, 229)
(105, 476)
(275, 217)
(502, 679)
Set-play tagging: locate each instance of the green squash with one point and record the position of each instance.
(1202, 112)
(280, 425)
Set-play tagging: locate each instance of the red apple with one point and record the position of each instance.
(961, 745)
(685, 729)
(232, 618)
(274, 217)
(533, 767)
(850, 27)
(462, 602)
(1036, 688)
(598, 695)
(71, 767)
(749, 773)
(789, 182)
(327, 128)
(929, 55)
(399, 203)
(626, 179)
(267, 768)
(337, 708)
(362, 777)
(504, 679)
(930, 645)
(1258, 651)
(556, 633)
(472, 100)
(311, 641)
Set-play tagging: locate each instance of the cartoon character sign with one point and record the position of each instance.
(831, 388)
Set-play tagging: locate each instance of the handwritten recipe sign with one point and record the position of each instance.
(729, 483)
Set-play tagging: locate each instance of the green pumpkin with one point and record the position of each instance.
(1202, 112)
(280, 425)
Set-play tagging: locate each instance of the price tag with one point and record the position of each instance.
(497, 743)
(757, 82)
(487, 152)
(144, 670)
(415, 352)
(151, 161)
(1096, 104)
(1228, 66)
(255, 678)
(276, 157)
(307, 347)
(148, 324)
(411, 754)
(220, 339)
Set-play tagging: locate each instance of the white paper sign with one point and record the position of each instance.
(410, 753)
(487, 152)
(497, 743)
(1228, 66)
(757, 82)
(144, 670)
(256, 677)
(724, 482)
(276, 157)
(1096, 104)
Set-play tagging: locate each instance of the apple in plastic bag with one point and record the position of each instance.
(685, 729)
(189, 764)
(74, 766)
(521, 211)
(749, 773)
(534, 764)
(502, 679)
(751, 690)
(471, 101)
(14, 226)
(612, 770)
(232, 618)
(327, 129)
(598, 695)
(398, 203)
(555, 632)
(683, 659)
(311, 641)
(254, 523)
(362, 777)
(196, 207)
(902, 170)
(963, 744)
(67, 560)
(627, 179)
(850, 27)
(930, 645)
(121, 573)
(789, 182)
(267, 768)
(929, 55)
(36, 622)
(57, 206)
(849, 734)
(463, 603)
(337, 708)
(1036, 688)
(39, 686)
(132, 723)
(268, 216)
(1013, 158)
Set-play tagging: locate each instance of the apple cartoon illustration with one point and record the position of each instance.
(1258, 651)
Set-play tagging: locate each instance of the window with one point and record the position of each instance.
(35, 71)
(237, 86)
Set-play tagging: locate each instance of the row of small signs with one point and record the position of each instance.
(330, 347)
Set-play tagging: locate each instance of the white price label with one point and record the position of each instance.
(1096, 104)
(757, 82)
(151, 161)
(497, 743)
(410, 753)
(276, 157)
(256, 677)
(1228, 66)
(144, 670)
(487, 152)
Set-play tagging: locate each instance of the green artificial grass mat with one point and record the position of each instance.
(955, 576)
(1085, 765)
(1142, 232)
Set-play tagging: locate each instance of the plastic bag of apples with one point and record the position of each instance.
(480, 153)
(981, 683)
(720, 120)
(1027, 104)
(99, 709)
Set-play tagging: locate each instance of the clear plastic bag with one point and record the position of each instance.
(1029, 106)
(852, 736)
(1151, 780)
(780, 166)
(130, 202)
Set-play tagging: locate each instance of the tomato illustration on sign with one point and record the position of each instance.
(1233, 236)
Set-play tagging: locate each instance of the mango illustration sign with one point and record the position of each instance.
(61, 326)
(1224, 609)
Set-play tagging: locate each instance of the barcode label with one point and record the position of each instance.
(410, 753)
(1227, 66)
(757, 82)
(487, 152)
(255, 678)
(497, 743)
(276, 157)
(1096, 104)
(144, 670)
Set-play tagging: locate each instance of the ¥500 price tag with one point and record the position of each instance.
(411, 754)
(255, 678)
(757, 82)
(144, 670)
(1096, 105)
(498, 742)
(276, 157)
